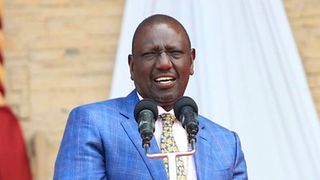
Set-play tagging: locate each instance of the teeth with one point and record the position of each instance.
(161, 79)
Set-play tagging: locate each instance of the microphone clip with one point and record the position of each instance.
(172, 158)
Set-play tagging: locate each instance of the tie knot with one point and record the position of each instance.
(167, 119)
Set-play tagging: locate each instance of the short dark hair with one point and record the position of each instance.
(157, 19)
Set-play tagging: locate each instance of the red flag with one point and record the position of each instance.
(14, 164)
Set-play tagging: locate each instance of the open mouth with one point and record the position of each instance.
(165, 80)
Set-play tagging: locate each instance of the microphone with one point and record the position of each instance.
(146, 113)
(186, 110)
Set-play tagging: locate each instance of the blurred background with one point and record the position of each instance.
(60, 54)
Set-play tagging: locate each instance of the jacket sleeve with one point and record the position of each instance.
(240, 167)
(81, 154)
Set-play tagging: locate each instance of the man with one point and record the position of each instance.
(101, 140)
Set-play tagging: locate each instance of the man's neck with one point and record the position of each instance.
(160, 109)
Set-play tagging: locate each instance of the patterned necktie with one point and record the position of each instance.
(168, 144)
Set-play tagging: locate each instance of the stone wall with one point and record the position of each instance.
(60, 54)
(304, 17)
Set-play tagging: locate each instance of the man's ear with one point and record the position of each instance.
(131, 64)
(192, 59)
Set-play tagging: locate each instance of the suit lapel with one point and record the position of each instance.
(202, 162)
(155, 166)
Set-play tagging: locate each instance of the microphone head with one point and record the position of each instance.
(182, 102)
(145, 104)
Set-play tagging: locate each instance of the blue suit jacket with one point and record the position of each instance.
(101, 141)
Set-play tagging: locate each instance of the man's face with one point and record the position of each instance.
(161, 63)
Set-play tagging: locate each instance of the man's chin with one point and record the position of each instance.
(166, 102)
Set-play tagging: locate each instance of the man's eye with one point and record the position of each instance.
(149, 55)
(176, 54)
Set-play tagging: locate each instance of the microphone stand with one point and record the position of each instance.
(171, 157)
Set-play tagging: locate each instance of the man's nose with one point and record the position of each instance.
(164, 61)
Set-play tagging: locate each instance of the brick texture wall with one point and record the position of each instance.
(60, 54)
(304, 17)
